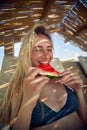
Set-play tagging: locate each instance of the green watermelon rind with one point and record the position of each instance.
(53, 76)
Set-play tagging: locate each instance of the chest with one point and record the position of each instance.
(54, 96)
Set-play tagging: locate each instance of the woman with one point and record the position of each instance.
(32, 99)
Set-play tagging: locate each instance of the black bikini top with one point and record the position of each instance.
(43, 115)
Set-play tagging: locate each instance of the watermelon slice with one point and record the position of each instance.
(50, 71)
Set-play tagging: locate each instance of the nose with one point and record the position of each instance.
(45, 54)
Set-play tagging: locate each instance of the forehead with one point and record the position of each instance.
(42, 40)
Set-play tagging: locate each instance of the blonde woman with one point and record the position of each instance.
(33, 101)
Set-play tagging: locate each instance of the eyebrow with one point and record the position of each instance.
(41, 46)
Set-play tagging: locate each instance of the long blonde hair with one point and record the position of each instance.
(16, 83)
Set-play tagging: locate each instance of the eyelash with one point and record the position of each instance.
(50, 50)
(40, 50)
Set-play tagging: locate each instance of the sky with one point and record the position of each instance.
(63, 51)
(67, 50)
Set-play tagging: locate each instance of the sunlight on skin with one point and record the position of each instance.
(54, 90)
(59, 100)
(55, 126)
(34, 98)
(56, 108)
(12, 121)
(38, 42)
(10, 124)
(62, 97)
(41, 41)
(44, 99)
(29, 101)
(16, 94)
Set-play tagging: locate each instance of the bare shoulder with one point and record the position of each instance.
(69, 122)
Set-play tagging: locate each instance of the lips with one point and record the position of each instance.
(50, 71)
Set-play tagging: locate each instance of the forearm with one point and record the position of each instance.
(23, 118)
(82, 111)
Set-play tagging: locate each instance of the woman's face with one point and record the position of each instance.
(41, 51)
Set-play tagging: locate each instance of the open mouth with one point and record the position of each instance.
(44, 63)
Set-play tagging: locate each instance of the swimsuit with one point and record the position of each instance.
(43, 115)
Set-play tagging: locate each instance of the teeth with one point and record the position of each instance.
(43, 62)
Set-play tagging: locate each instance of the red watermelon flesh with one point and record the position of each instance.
(50, 71)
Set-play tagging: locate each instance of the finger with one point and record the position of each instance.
(29, 71)
(73, 84)
(74, 80)
(66, 72)
(41, 81)
(69, 76)
(32, 72)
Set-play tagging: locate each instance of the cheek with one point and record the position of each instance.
(34, 59)
(51, 56)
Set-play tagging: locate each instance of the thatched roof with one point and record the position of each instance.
(67, 17)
